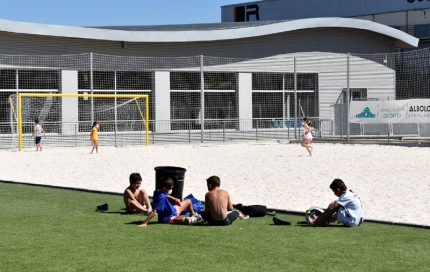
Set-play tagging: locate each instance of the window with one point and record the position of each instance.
(212, 80)
(30, 79)
(355, 94)
(273, 82)
(422, 31)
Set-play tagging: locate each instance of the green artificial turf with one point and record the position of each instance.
(49, 229)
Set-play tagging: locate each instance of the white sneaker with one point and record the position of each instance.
(149, 211)
(192, 220)
(197, 216)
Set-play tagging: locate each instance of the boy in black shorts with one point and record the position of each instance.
(38, 131)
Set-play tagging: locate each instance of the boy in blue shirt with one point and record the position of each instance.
(168, 212)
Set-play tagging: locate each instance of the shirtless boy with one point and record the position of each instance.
(218, 204)
(136, 200)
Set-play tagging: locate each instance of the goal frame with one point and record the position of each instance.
(130, 96)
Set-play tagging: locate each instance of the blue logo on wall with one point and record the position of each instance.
(366, 113)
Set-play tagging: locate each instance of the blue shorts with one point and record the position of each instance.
(38, 140)
(344, 218)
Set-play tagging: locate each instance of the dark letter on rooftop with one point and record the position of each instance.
(253, 12)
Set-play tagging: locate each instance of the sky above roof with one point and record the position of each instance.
(114, 12)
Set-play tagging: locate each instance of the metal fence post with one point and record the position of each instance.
(389, 130)
(189, 131)
(341, 122)
(153, 134)
(91, 87)
(17, 91)
(116, 113)
(295, 99)
(11, 126)
(76, 133)
(256, 130)
(283, 99)
(223, 131)
(348, 96)
(202, 99)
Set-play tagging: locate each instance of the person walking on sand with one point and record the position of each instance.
(38, 132)
(307, 136)
(95, 137)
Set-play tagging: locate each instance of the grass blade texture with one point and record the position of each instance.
(50, 229)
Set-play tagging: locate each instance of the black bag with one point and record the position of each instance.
(254, 210)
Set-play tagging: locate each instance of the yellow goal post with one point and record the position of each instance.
(18, 113)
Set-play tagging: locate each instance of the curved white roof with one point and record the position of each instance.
(401, 38)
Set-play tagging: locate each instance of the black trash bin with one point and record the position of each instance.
(177, 174)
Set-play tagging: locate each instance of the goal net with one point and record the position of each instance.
(67, 119)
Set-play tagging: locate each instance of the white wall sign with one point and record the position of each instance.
(395, 111)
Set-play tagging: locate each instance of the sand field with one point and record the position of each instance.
(392, 181)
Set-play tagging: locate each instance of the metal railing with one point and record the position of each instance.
(161, 132)
(215, 130)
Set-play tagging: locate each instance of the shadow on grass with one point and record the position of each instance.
(140, 222)
(326, 226)
(205, 224)
(303, 224)
(199, 224)
(122, 213)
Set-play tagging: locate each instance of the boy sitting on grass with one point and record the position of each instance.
(348, 207)
(168, 212)
(218, 204)
(136, 200)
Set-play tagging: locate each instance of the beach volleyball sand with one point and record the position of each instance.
(392, 181)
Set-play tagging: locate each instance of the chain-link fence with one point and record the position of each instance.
(201, 98)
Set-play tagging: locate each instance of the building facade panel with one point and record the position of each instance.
(327, 40)
(298, 9)
(419, 17)
(391, 19)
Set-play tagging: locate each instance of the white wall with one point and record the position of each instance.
(245, 101)
(69, 85)
(162, 101)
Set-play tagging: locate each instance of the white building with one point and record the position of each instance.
(52, 58)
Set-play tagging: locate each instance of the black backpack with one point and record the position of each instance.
(253, 210)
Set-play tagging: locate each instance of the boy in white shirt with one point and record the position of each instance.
(38, 132)
(348, 207)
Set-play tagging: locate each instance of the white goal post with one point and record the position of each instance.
(66, 114)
